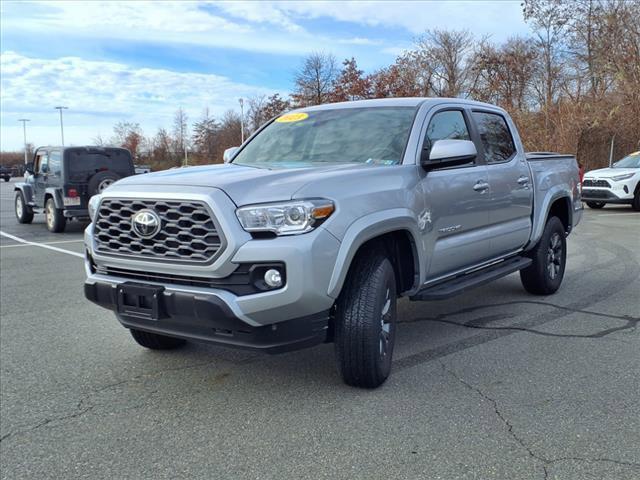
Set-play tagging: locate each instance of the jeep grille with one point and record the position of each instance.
(188, 231)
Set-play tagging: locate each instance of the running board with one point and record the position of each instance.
(471, 280)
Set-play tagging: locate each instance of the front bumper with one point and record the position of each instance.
(208, 318)
(594, 194)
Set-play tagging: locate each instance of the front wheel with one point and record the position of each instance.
(636, 200)
(365, 327)
(544, 275)
(6, 179)
(595, 205)
(54, 217)
(155, 341)
(24, 213)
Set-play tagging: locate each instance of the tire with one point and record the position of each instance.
(24, 213)
(154, 341)
(102, 180)
(636, 200)
(544, 275)
(596, 205)
(6, 179)
(365, 321)
(54, 217)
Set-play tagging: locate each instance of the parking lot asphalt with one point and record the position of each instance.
(494, 384)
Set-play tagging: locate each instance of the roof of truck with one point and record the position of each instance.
(395, 102)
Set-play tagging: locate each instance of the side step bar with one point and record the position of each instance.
(471, 280)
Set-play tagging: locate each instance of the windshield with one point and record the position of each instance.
(630, 161)
(375, 135)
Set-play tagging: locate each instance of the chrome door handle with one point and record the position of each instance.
(523, 180)
(481, 187)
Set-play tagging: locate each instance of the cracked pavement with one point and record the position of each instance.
(494, 384)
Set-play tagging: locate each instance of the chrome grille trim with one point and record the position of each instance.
(189, 231)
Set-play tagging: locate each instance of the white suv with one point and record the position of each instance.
(617, 184)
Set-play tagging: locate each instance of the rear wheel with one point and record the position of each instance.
(544, 275)
(365, 326)
(6, 179)
(155, 341)
(24, 213)
(54, 217)
(595, 205)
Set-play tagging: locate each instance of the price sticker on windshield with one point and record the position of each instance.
(292, 117)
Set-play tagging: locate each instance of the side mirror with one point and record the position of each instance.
(229, 153)
(29, 168)
(448, 153)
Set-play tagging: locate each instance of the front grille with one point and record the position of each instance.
(595, 183)
(589, 194)
(188, 231)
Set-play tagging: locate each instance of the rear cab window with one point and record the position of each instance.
(82, 163)
(495, 136)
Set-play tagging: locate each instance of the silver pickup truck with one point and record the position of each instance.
(322, 219)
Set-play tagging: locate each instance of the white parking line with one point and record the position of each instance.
(616, 214)
(42, 245)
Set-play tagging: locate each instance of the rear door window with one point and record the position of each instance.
(82, 164)
(496, 138)
(55, 163)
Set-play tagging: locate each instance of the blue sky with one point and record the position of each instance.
(139, 61)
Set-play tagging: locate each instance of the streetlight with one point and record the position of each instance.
(61, 127)
(24, 134)
(241, 119)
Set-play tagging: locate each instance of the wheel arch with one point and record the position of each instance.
(56, 194)
(557, 203)
(396, 231)
(26, 190)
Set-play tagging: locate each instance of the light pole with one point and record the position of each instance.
(241, 120)
(61, 126)
(24, 134)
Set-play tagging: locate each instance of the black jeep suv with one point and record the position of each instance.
(61, 180)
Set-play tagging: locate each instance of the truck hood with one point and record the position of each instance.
(246, 185)
(610, 172)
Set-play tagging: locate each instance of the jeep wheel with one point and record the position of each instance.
(595, 205)
(101, 181)
(155, 341)
(54, 217)
(24, 213)
(365, 327)
(544, 275)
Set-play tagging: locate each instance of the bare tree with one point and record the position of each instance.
(314, 81)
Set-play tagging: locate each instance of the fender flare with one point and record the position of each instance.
(555, 193)
(368, 227)
(27, 191)
(56, 193)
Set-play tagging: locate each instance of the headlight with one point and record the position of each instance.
(625, 176)
(286, 218)
(93, 206)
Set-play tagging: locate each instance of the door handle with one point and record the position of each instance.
(481, 186)
(523, 181)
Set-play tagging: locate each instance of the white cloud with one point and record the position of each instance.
(100, 93)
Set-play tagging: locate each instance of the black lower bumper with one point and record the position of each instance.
(209, 319)
(602, 196)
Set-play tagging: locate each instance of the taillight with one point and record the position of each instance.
(72, 192)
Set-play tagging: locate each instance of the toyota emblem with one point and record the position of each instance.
(146, 223)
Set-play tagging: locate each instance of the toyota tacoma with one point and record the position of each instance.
(319, 222)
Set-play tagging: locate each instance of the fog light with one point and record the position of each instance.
(273, 278)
